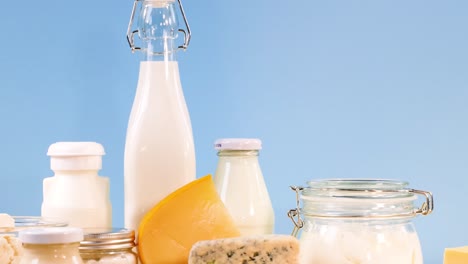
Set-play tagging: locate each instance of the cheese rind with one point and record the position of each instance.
(456, 255)
(190, 214)
(265, 249)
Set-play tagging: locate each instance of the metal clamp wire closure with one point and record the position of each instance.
(131, 33)
(426, 208)
(299, 223)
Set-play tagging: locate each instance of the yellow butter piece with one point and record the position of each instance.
(456, 255)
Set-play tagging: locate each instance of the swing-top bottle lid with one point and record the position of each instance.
(238, 144)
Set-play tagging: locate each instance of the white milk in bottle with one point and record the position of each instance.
(240, 184)
(159, 149)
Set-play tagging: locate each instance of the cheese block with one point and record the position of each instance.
(456, 255)
(190, 214)
(260, 249)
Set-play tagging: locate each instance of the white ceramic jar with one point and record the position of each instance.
(240, 184)
(76, 193)
(358, 221)
(58, 245)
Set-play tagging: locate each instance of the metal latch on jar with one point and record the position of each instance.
(426, 208)
(131, 33)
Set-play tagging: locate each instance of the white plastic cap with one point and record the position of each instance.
(238, 144)
(53, 235)
(76, 156)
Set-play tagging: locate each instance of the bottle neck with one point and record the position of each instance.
(238, 153)
(158, 30)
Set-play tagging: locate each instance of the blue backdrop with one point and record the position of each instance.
(333, 88)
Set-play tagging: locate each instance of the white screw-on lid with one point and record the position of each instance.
(76, 156)
(238, 144)
(53, 235)
(68, 149)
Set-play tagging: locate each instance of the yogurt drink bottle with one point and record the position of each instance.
(76, 193)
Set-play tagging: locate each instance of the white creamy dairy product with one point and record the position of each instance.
(159, 149)
(79, 216)
(241, 186)
(77, 194)
(6, 220)
(10, 247)
(118, 259)
(343, 245)
(10, 250)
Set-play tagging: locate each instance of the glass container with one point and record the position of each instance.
(348, 221)
(238, 171)
(51, 245)
(11, 248)
(108, 246)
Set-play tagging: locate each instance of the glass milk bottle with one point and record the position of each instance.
(76, 193)
(159, 149)
(240, 184)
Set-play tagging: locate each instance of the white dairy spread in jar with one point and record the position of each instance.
(354, 244)
(10, 247)
(119, 259)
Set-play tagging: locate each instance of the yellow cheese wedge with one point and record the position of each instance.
(190, 214)
(456, 255)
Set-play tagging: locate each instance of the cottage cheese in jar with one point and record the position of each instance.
(350, 243)
(359, 222)
(10, 246)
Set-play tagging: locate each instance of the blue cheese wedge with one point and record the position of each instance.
(264, 249)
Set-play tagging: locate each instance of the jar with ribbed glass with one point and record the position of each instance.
(108, 246)
(347, 221)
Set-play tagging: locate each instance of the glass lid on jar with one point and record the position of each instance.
(358, 188)
(360, 198)
(27, 222)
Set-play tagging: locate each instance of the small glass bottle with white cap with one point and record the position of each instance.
(240, 184)
(76, 193)
(56, 245)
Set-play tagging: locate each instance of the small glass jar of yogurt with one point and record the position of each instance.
(349, 221)
(51, 245)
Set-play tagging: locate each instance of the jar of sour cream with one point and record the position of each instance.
(357, 221)
(59, 245)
